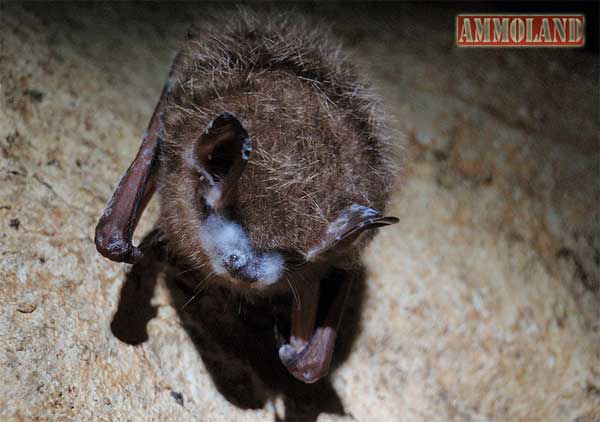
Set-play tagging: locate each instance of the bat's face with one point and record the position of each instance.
(235, 236)
(232, 253)
(229, 234)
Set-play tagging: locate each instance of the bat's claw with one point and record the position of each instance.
(112, 246)
(311, 363)
(287, 354)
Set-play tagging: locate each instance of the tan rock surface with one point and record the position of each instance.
(482, 304)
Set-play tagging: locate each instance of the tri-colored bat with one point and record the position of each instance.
(273, 165)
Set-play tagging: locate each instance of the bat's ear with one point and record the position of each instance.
(220, 155)
(346, 229)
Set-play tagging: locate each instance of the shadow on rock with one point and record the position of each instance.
(234, 337)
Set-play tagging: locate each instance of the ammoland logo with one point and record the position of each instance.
(495, 30)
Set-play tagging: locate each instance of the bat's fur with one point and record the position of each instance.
(319, 141)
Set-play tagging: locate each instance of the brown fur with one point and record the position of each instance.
(319, 142)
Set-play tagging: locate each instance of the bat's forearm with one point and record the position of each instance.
(115, 228)
(308, 357)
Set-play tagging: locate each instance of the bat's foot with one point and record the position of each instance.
(311, 362)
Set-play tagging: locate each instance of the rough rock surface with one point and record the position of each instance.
(482, 304)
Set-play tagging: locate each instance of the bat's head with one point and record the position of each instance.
(245, 226)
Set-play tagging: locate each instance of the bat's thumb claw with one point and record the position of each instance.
(287, 354)
(307, 364)
(305, 369)
(112, 246)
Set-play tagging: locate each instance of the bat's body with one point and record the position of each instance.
(270, 160)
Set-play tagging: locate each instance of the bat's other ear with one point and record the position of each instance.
(220, 155)
(346, 229)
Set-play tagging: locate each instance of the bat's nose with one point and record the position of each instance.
(232, 263)
(237, 268)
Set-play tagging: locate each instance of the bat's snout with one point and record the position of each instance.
(238, 268)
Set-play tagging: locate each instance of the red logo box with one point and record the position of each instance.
(522, 30)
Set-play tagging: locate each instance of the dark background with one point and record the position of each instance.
(434, 9)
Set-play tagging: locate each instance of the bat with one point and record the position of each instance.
(272, 162)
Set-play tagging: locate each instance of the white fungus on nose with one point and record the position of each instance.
(222, 238)
(271, 267)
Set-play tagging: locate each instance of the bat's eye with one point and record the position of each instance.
(205, 207)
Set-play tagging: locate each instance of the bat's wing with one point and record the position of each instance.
(117, 224)
(308, 355)
(346, 228)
